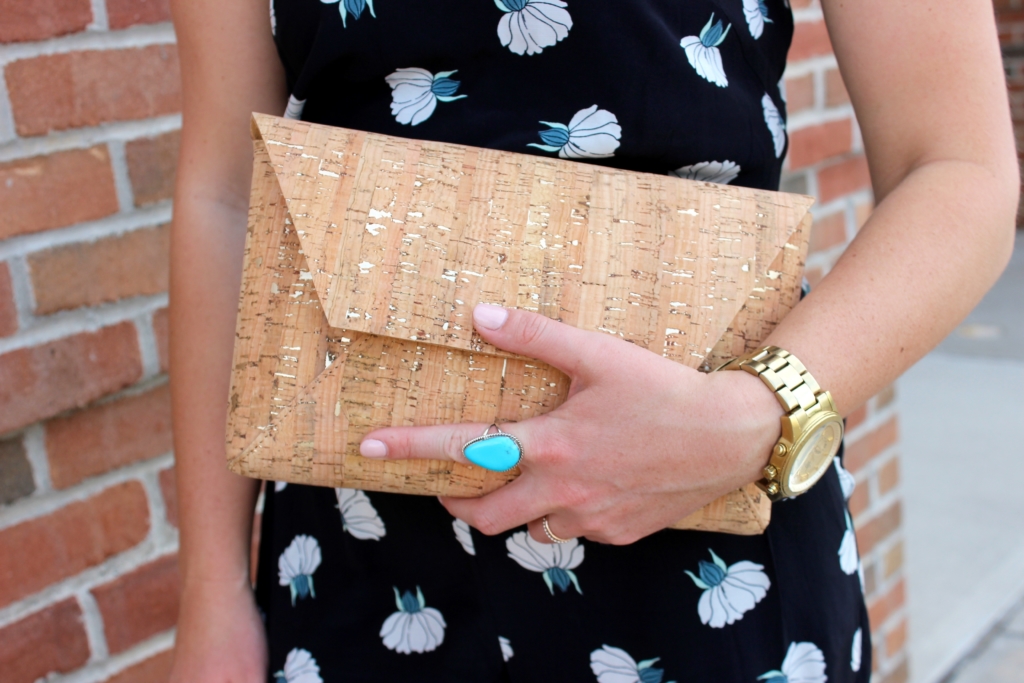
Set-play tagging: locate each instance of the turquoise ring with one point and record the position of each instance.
(497, 451)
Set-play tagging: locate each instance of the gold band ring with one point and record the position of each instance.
(549, 534)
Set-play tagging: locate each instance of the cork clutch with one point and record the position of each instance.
(366, 254)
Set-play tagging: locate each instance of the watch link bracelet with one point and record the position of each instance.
(811, 428)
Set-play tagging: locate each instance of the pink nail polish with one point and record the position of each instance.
(371, 448)
(489, 316)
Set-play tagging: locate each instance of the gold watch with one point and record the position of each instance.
(811, 428)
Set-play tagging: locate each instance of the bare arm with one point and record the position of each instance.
(229, 69)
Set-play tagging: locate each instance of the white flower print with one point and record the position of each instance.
(463, 536)
(804, 663)
(846, 480)
(506, 648)
(358, 516)
(855, 650)
(294, 108)
(776, 125)
(555, 561)
(299, 667)
(723, 172)
(860, 574)
(848, 560)
(529, 26)
(702, 52)
(591, 134)
(414, 627)
(273, 19)
(296, 565)
(280, 486)
(416, 92)
(730, 591)
(614, 665)
(353, 7)
(756, 14)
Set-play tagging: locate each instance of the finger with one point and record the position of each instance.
(567, 348)
(558, 526)
(509, 507)
(437, 442)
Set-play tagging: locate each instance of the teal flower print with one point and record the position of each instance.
(555, 562)
(729, 591)
(416, 92)
(804, 663)
(299, 667)
(702, 52)
(591, 134)
(529, 26)
(756, 14)
(614, 665)
(296, 565)
(353, 7)
(414, 627)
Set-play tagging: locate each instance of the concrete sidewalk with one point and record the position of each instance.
(962, 421)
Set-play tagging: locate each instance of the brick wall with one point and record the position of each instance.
(88, 137)
(1010, 19)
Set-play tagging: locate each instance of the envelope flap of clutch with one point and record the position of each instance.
(402, 238)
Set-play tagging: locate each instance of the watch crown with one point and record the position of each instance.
(779, 450)
(772, 488)
(770, 471)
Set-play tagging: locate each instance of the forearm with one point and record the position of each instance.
(932, 248)
(216, 506)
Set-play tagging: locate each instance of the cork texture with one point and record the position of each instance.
(366, 254)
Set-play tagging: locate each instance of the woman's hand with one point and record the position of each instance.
(640, 443)
(220, 636)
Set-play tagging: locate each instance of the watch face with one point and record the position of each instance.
(815, 455)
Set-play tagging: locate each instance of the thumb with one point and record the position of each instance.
(565, 347)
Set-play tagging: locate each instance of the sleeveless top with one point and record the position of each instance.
(365, 586)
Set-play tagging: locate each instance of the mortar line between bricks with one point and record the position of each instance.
(79, 320)
(7, 130)
(160, 532)
(100, 18)
(39, 506)
(136, 36)
(21, 285)
(122, 181)
(808, 118)
(89, 231)
(34, 442)
(849, 199)
(810, 65)
(101, 671)
(82, 138)
(807, 14)
(92, 620)
(147, 345)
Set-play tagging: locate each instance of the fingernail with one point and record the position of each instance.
(371, 448)
(489, 316)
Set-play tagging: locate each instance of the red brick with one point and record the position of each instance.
(52, 640)
(884, 606)
(862, 212)
(892, 562)
(889, 476)
(156, 669)
(900, 674)
(843, 177)
(809, 146)
(93, 273)
(124, 13)
(828, 232)
(76, 89)
(860, 500)
(799, 93)
(151, 166)
(108, 436)
(160, 332)
(861, 451)
(856, 418)
(8, 312)
(835, 89)
(140, 604)
(38, 19)
(42, 551)
(55, 190)
(810, 39)
(170, 494)
(879, 528)
(39, 382)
